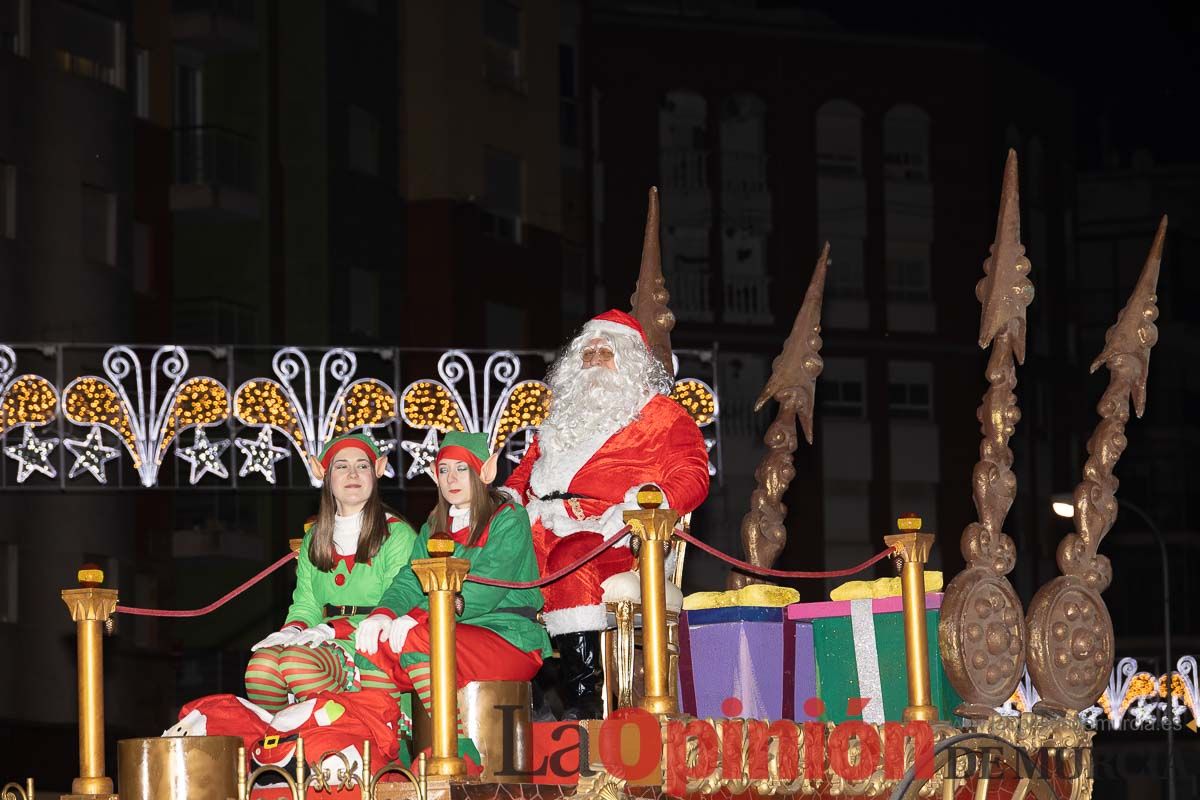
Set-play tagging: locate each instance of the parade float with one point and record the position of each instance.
(890, 689)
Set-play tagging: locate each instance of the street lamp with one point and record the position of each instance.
(1064, 506)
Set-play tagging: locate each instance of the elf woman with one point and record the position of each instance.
(496, 635)
(348, 558)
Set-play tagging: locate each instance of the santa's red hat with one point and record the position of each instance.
(616, 322)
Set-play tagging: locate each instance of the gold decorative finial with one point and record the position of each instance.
(793, 384)
(982, 628)
(650, 296)
(1070, 631)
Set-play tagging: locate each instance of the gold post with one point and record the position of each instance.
(913, 549)
(442, 578)
(90, 605)
(655, 527)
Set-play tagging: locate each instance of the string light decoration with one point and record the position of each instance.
(91, 454)
(524, 407)
(697, 399)
(32, 455)
(308, 426)
(429, 405)
(28, 400)
(204, 456)
(261, 455)
(385, 447)
(422, 453)
(199, 402)
(143, 422)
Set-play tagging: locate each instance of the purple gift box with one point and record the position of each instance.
(750, 653)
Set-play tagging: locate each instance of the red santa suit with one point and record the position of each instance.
(575, 500)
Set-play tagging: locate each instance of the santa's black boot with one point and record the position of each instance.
(580, 677)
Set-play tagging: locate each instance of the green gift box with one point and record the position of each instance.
(859, 649)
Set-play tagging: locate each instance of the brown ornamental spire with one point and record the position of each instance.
(1005, 289)
(650, 296)
(793, 385)
(1069, 609)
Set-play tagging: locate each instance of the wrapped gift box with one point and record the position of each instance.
(859, 650)
(751, 653)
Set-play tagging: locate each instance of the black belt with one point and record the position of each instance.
(346, 611)
(563, 496)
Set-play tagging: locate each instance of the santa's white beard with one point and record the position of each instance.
(589, 404)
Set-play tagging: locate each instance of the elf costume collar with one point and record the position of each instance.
(356, 441)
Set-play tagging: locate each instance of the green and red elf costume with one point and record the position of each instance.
(315, 650)
(497, 636)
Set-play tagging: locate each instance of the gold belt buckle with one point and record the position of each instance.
(576, 508)
(271, 742)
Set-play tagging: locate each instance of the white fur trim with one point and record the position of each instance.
(258, 710)
(291, 717)
(573, 620)
(610, 328)
(193, 724)
(512, 494)
(556, 469)
(627, 586)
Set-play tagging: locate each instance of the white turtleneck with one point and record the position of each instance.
(345, 533)
(459, 518)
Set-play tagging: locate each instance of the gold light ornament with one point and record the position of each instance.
(697, 399)
(367, 403)
(199, 402)
(90, 401)
(263, 402)
(525, 406)
(429, 405)
(28, 400)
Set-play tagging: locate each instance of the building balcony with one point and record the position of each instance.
(745, 199)
(691, 299)
(216, 170)
(215, 26)
(687, 198)
(748, 300)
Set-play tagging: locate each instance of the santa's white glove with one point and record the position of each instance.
(282, 638)
(399, 632)
(370, 631)
(316, 636)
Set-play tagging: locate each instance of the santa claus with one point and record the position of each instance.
(611, 429)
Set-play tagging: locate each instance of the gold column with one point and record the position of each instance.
(442, 579)
(90, 606)
(654, 526)
(913, 549)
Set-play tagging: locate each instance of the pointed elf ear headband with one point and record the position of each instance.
(355, 441)
(472, 449)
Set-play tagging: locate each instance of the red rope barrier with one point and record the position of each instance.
(781, 573)
(199, 612)
(553, 576)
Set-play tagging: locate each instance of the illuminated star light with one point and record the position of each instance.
(91, 454)
(204, 456)
(261, 455)
(422, 453)
(33, 454)
(385, 448)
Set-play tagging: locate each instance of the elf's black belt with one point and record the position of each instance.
(346, 611)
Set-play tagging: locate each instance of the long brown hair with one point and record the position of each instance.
(484, 502)
(370, 537)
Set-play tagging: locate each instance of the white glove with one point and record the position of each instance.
(370, 631)
(399, 632)
(316, 636)
(282, 638)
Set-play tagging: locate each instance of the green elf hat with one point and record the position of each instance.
(469, 447)
(357, 441)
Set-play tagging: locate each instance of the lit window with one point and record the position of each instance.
(908, 271)
(841, 389)
(363, 141)
(90, 45)
(839, 139)
(99, 226)
(502, 206)
(909, 392)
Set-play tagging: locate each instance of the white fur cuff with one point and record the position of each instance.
(573, 620)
